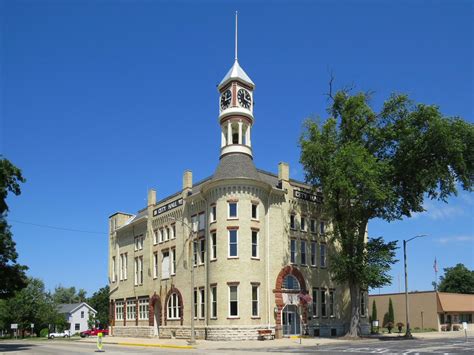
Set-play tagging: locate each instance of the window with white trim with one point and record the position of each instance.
(202, 305)
(232, 210)
(292, 221)
(303, 252)
(155, 236)
(314, 248)
(254, 210)
(213, 301)
(194, 223)
(312, 226)
(322, 255)
(291, 283)
(113, 269)
(173, 261)
(195, 252)
(118, 310)
(255, 301)
(233, 243)
(202, 249)
(315, 302)
(155, 265)
(131, 309)
(123, 266)
(255, 244)
(293, 251)
(161, 235)
(233, 301)
(173, 306)
(322, 300)
(195, 302)
(138, 270)
(165, 264)
(173, 231)
(322, 227)
(331, 303)
(213, 246)
(213, 216)
(202, 221)
(303, 224)
(167, 233)
(143, 308)
(139, 242)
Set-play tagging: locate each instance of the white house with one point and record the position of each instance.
(77, 315)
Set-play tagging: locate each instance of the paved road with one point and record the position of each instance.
(426, 346)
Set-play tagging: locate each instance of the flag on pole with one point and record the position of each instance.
(435, 265)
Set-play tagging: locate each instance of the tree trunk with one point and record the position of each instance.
(354, 326)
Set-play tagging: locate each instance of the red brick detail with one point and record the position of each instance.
(181, 304)
(112, 313)
(125, 312)
(155, 302)
(287, 270)
(137, 311)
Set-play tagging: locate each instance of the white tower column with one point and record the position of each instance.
(240, 132)
(248, 136)
(222, 137)
(229, 132)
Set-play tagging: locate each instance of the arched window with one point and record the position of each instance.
(173, 306)
(291, 283)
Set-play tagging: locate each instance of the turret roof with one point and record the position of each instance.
(236, 73)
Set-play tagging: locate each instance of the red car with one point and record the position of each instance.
(94, 332)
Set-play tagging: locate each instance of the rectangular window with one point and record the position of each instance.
(303, 224)
(195, 302)
(165, 264)
(173, 261)
(155, 237)
(323, 303)
(131, 309)
(255, 304)
(140, 275)
(313, 253)
(139, 242)
(303, 252)
(213, 216)
(233, 251)
(214, 246)
(331, 303)
(195, 252)
(322, 256)
(155, 265)
(202, 221)
(254, 244)
(143, 308)
(77, 326)
(213, 301)
(167, 233)
(202, 307)
(161, 235)
(82, 314)
(202, 247)
(136, 270)
(292, 222)
(322, 228)
(195, 223)
(113, 269)
(121, 267)
(233, 210)
(125, 266)
(233, 301)
(118, 310)
(254, 211)
(315, 302)
(173, 231)
(312, 225)
(362, 304)
(293, 251)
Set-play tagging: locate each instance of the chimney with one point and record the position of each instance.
(187, 180)
(151, 197)
(283, 171)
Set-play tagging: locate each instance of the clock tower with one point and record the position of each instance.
(236, 109)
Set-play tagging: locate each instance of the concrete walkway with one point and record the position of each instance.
(259, 344)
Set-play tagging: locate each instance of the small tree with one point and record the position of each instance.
(391, 313)
(374, 315)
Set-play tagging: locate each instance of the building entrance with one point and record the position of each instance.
(290, 320)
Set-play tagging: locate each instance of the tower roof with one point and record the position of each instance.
(236, 73)
(236, 165)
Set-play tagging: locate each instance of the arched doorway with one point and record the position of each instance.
(290, 320)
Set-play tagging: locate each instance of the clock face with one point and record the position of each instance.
(226, 98)
(245, 100)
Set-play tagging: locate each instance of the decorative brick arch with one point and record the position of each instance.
(155, 302)
(112, 312)
(181, 304)
(278, 291)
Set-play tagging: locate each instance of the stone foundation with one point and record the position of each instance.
(133, 331)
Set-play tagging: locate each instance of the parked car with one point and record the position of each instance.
(65, 334)
(93, 332)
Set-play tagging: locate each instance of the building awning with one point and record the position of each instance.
(455, 302)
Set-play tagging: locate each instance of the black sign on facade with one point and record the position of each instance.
(307, 196)
(168, 207)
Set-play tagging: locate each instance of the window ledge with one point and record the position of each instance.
(233, 317)
(255, 220)
(212, 260)
(255, 258)
(232, 218)
(255, 317)
(232, 257)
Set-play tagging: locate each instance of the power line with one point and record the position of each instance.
(58, 228)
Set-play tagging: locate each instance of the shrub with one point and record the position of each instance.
(456, 327)
(389, 326)
(400, 325)
(44, 332)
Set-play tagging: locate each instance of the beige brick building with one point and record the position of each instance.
(253, 239)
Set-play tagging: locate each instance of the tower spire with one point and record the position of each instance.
(236, 33)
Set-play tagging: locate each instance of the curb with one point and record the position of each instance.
(157, 345)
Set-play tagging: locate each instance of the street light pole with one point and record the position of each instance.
(408, 330)
(192, 340)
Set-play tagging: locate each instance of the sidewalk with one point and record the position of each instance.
(259, 344)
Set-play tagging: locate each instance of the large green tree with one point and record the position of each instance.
(381, 165)
(458, 279)
(68, 295)
(100, 302)
(12, 274)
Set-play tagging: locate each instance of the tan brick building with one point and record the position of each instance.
(254, 240)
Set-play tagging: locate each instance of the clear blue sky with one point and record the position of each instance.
(101, 100)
